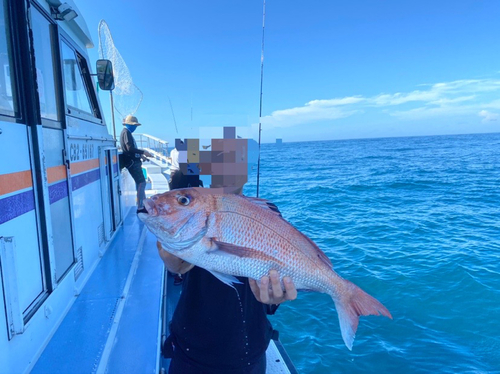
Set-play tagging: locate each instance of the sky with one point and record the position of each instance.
(332, 69)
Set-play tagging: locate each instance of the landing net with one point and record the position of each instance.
(127, 97)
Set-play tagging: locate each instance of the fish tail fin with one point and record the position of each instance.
(352, 302)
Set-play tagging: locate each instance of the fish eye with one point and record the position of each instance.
(183, 200)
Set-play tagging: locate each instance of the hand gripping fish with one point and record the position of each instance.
(233, 235)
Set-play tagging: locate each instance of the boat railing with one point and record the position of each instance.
(156, 146)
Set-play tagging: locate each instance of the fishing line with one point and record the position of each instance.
(173, 115)
(261, 81)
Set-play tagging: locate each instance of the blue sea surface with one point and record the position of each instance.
(415, 222)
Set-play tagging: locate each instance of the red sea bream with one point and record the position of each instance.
(233, 235)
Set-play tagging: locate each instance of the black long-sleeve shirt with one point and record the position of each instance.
(216, 328)
(129, 146)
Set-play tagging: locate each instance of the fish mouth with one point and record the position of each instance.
(149, 208)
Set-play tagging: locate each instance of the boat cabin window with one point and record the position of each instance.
(74, 87)
(79, 89)
(44, 66)
(8, 102)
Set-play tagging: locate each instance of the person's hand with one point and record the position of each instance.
(147, 154)
(273, 294)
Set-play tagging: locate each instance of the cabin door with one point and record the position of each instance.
(55, 162)
(22, 266)
(110, 190)
(59, 199)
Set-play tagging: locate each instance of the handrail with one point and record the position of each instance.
(153, 137)
(156, 146)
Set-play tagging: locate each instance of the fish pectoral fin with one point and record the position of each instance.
(225, 278)
(235, 249)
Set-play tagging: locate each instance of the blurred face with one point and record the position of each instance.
(225, 160)
(227, 163)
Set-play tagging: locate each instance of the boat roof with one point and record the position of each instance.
(77, 25)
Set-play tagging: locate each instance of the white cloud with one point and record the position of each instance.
(488, 116)
(429, 112)
(399, 98)
(468, 85)
(335, 102)
(460, 97)
(447, 101)
(313, 111)
(440, 92)
(495, 104)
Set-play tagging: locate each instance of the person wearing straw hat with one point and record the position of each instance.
(133, 157)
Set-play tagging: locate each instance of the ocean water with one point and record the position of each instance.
(413, 221)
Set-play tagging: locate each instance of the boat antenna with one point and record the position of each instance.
(261, 81)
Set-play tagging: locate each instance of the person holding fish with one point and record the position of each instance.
(222, 240)
(133, 157)
(216, 327)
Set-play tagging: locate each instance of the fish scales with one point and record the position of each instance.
(257, 227)
(280, 227)
(232, 235)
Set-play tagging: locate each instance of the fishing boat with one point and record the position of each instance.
(82, 288)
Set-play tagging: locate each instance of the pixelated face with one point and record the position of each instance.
(224, 160)
(189, 157)
(180, 145)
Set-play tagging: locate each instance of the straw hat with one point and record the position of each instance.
(131, 120)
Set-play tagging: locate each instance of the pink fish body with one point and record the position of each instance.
(233, 235)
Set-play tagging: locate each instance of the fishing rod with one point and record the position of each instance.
(261, 81)
(173, 115)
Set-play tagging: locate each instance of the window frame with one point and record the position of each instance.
(89, 85)
(54, 43)
(11, 29)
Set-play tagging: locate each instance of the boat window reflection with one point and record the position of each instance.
(74, 88)
(44, 65)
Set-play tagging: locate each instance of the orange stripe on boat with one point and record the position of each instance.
(56, 173)
(80, 167)
(15, 181)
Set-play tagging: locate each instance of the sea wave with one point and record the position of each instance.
(414, 222)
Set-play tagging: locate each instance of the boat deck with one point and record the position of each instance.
(114, 324)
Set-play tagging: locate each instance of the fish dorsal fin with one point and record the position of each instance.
(321, 255)
(266, 204)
